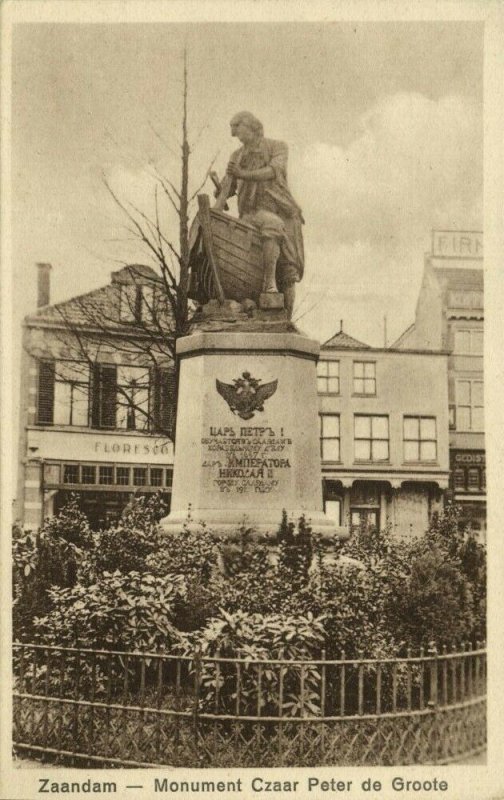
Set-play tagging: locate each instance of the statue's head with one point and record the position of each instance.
(246, 127)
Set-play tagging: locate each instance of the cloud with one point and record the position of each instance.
(415, 164)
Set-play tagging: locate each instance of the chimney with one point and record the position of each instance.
(43, 284)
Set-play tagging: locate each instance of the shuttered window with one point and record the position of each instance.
(163, 400)
(45, 405)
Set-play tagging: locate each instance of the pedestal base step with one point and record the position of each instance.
(263, 525)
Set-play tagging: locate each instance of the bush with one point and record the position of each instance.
(265, 580)
(446, 582)
(70, 525)
(121, 612)
(257, 637)
(195, 557)
(434, 602)
(127, 546)
(50, 557)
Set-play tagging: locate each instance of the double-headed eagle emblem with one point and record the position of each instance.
(246, 396)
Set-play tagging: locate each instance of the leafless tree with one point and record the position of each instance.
(146, 316)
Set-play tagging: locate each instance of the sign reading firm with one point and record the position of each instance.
(457, 244)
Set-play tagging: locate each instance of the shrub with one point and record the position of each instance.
(50, 557)
(254, 637)
(127, 545)
(195, 557)
(70, 525)
(121, 612)
(295, 551)
(434, 602)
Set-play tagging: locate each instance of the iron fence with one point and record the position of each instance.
(97, 707)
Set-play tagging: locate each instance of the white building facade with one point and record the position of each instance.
(450, 315)
(383, 434)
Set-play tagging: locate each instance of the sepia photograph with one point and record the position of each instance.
(247, 335)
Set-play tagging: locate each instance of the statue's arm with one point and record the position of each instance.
(279, 154)
(262, 174)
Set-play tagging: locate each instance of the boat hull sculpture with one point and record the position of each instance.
(226, 259)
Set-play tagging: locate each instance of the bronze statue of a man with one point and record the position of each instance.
(259, 179)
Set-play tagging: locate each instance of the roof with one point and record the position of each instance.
(458, 278)
(398, 342)
(135, 273)
(100, 307)
(342, 340)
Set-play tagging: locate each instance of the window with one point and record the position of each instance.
(156, 476)
(473, 479)
(468, 341)
(63, 393)
(124, 397)
(139, 476)
(88, 474)
(106, 475)
(328, 381)
(330, 437)
(136, 302)
(103, 410)
(364, 518)
(169, 477)
(420, 440)
(364, 377)
(469, 416)
(123, 476)
(70, 473)
(132, 398)
(459, 480)
(371, 438)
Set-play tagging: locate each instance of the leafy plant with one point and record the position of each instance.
(121, 612)
(50, 557)
(127, 546)
(254, 637)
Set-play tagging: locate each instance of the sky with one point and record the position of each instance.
(383, 122)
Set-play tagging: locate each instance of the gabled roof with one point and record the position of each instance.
(342, 340)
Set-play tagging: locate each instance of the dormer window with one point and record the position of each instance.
(136, 303)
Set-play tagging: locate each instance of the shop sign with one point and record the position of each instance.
(457, 244)
(468, 457)
(72, 445)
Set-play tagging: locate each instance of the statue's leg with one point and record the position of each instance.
(272, 230)
(289, 293)
(271, 252)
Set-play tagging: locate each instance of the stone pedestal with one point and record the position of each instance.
(247, 433)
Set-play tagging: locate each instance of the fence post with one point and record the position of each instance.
(477, 668)
(360, 683)
(197, 689)
(433, 696)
